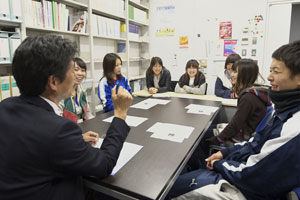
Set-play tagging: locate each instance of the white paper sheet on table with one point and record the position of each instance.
(128, 151)
(149, 103)
(201, 109)
(161, 95)
(172, 132)
(185, 96)
(229, 101)
(130, 120)
(168, 136)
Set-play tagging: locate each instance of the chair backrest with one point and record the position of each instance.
(206, 85)
(262, 124)
(173, 85)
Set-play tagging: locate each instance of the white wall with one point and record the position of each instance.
(202, 17)
(278, 31)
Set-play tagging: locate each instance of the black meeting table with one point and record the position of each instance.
(153, 170)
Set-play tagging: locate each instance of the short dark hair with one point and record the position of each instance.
(192, 63)
(232, 58)
(247, 74)
(109, 64)
(153, 61)
(39, 57)
(80, 63)
(290, 55)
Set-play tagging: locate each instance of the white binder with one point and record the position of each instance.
(4, 48)
(15, 10)
(14, 42)
(4, 10)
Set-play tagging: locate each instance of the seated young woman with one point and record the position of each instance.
(76, 108)
(112, 75)
(192, 81)
(158, 78)
(223, 86)
(252, 105)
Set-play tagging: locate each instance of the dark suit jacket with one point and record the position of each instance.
(164, 80)
(43, 156)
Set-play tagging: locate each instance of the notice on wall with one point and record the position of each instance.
(225, 30)
(229, 47)
(166, 15)
(183, 42)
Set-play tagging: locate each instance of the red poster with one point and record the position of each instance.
(225, 31)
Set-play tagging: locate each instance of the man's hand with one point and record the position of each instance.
(153, 90)
(121, 100)
(211, 159)
(185, 87)
(91, 137)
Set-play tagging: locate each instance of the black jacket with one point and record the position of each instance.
(164, 80)
(44, 156)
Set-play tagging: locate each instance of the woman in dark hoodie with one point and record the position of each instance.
(158, 78)
(192, 81)
(252, 105)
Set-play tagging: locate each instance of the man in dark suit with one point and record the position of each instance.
(42, 155)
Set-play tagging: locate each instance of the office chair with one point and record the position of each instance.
(173, 85)
(262, 124)
(206, 85)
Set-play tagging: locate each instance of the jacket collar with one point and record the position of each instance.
(38, 101)
(287, 114)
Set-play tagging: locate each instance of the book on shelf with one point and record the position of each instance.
(121, 47)
(78, 20)
(8, 87)
(51, 15)
(5, 87)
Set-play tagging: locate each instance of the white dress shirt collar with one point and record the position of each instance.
(53, 105)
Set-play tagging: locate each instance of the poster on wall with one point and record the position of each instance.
(225, 30)
(183, 42)
(229, 47)
(166, 15)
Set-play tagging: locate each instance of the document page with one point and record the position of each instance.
(149, 103)
(128, 151)
(201, 109)
(130, 120)
(171, 132)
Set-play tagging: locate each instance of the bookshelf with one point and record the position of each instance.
(10, 33)
(93, 42)
(138, 53)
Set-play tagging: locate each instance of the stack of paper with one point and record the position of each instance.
(171, 132)
(128, 151)
(201, 109)
(130, 120)
(149, 103)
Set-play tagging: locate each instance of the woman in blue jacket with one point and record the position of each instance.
(223, 84)
(112, 64)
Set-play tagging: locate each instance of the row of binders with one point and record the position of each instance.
(8, 44)
(10, 10)
(114, 7)
(107, 27)
(54, 15)
(137, 15)
(8, 87)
